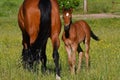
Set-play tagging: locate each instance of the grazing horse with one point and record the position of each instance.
(73, 35)
(39, 20)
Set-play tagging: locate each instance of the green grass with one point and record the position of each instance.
(105, 54)
(100, 6)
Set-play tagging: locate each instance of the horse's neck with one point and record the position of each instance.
(67, 29)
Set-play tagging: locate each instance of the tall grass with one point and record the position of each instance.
(104, 54)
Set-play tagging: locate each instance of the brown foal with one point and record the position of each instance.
(73, 35)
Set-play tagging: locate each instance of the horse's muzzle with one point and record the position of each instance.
(66, 27)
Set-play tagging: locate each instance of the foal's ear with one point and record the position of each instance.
(71, 10)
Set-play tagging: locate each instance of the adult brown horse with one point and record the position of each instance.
(39, 20)
(73, 35)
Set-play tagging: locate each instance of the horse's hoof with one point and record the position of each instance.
(58, 77)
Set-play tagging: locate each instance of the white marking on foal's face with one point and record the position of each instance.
(67, 14)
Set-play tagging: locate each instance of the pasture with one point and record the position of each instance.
(105, 54)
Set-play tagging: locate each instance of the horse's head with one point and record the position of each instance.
(67, 16)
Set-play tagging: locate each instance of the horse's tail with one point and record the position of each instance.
(94, 36)
(45, 21)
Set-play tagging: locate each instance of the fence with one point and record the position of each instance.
(100, 6)
(116, 6)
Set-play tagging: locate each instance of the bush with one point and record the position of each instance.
(68, 3)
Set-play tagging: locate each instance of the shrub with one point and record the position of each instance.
(68, 3)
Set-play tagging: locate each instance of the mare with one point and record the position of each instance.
(73, 35)
(38, 21)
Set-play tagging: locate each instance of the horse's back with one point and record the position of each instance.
(84, 25)
(29, 14)
(82, 29)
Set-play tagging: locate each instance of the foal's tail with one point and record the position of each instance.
(94, 36)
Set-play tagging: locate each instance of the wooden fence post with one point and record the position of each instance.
(85, 6)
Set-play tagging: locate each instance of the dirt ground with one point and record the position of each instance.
(102, 15)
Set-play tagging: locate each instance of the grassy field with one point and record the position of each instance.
(100, 6)
(105, 54)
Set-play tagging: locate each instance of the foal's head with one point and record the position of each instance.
(67, 16)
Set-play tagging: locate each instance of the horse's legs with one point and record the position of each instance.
(43, 58)
(56, 44)
(87, 45)
(25, 51)
(80, 53)
(30, 49)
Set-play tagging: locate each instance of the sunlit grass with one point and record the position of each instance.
(104, 54)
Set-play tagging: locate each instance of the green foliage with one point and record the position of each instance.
(68, 3)
(94, 6)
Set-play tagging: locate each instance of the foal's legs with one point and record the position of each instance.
(87, 45)
(70, 61)
(80, 53)
(73, 61)
(56, 44)
(71, 50)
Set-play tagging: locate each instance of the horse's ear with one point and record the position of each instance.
(71, 10)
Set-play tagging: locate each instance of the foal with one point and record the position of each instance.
(73, 35)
